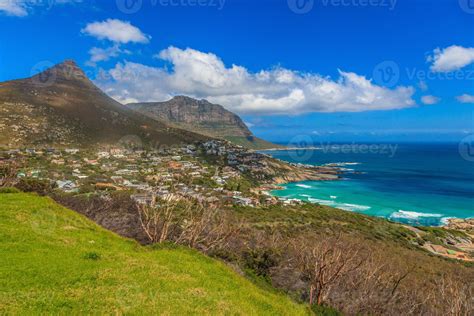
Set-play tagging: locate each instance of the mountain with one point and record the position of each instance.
(61, 107)
(202, 117)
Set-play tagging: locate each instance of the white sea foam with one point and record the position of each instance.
(354, 207)
(305, 195)
(322, 202)
(342, 206)
(412, 215)
(333, 197)
(305, 186)
(445, 220)
(342, 164)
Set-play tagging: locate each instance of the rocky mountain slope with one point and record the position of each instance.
(202, 117)
(62, 107)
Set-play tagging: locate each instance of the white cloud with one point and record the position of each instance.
(466, 98)
(429, 99)
(422, 85)
(116, 31)
(13, 7)
(451, 58)
(21, 8)
(103, 54)
(274, 91)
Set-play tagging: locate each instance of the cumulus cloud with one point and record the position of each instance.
(103, 54)
(15, 8)
(274, 91)
(451, 58)
(466, 98)
(429, 99)
(116, 31)
(21, 8)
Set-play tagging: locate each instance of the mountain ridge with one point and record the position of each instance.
(61, 106)
(204, 117)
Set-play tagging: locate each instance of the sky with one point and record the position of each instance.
(327, 70)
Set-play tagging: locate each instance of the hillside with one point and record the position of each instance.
(61, 107)
(55, 261)
(202, 117)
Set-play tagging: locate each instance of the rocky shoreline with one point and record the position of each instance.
(465, 225)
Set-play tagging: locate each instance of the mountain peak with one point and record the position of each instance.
(67, 71)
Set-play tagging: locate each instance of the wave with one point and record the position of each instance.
(342, 164)
(353, 207)
(305, 186)
(413, 215)
(342, 206)
(333, 197)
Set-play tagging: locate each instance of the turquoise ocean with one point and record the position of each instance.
(416, 184)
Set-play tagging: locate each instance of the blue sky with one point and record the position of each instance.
(336, 70)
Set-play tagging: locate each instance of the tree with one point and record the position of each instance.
(8, 173)
(157, 219)
(205, 227)
(323, 262)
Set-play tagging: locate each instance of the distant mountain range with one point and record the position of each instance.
(62, 107)
(202, 117)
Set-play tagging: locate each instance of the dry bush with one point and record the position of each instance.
(206, 227)
(323, 262)
(8, 173)
(156, 220)
(188, 222)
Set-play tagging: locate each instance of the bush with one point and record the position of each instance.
(7, 190)
(42, 187)
(92, 256)
(325, 311)
(261, 261)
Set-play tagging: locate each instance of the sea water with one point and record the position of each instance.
(416, 184)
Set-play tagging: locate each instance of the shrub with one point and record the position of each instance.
(42, 187)
(92, 256)
(7, 190)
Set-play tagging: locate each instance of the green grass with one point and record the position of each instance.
(55, 261)
(252, 143)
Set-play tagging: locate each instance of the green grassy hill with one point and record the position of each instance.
(54, 260)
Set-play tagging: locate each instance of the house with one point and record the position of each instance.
(239, 200)
(66, 185)
(71, 151)
(103, 154)
(144, 198)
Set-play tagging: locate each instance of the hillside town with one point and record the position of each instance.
(214, 172)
